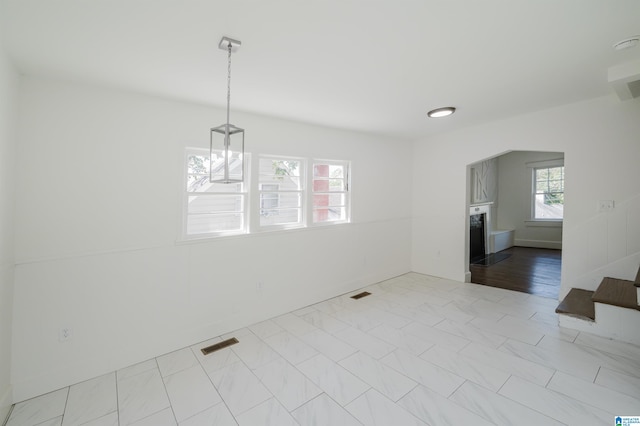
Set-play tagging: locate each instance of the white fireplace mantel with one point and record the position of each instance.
(484, 208)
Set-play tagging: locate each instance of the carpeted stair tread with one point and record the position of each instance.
(613, 291)
(578, 303)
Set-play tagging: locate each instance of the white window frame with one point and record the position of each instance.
(244, 193)
(347, 191)
(302, 191)
(534, 167)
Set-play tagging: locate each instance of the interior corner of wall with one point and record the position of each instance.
(6, 401)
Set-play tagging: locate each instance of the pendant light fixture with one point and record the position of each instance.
(227, 141)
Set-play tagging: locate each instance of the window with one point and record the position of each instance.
(330, 198)
(212, 208)
(548, 194)
(281, 192)
(286, 194)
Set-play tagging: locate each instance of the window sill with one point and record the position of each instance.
(544, 223)
(275, 228)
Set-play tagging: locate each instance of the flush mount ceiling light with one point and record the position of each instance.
(627, 43)
(441, 112)
(226, 164)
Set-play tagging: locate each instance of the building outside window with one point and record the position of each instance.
(212, 208)
(281, 192)
(269, 199)
(330, 198)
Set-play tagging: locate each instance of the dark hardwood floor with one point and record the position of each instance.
(530, 270)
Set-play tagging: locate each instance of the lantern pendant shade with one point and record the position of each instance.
(226, 154)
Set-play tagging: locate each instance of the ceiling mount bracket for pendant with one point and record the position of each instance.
(226, 41)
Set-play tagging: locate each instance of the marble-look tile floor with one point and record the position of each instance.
(419, 351)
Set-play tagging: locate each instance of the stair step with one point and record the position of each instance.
(578, 303)
(637, 281)
(617, 292)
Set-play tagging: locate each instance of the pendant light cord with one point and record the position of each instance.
(228, 85)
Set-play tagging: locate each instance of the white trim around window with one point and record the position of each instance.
(287, 193)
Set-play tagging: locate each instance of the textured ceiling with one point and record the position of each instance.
(370, 65)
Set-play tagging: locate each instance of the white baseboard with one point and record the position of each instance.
(557, 245)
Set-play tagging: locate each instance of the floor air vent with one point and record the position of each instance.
(218, 346)
(360, 295)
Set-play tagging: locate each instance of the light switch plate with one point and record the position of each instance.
(605, 205)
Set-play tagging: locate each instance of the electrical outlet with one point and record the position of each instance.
(605, 205)
(65, 334)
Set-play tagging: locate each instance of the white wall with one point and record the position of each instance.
(601, 142)
(8, 105)
(98, 219)
(514, 208)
